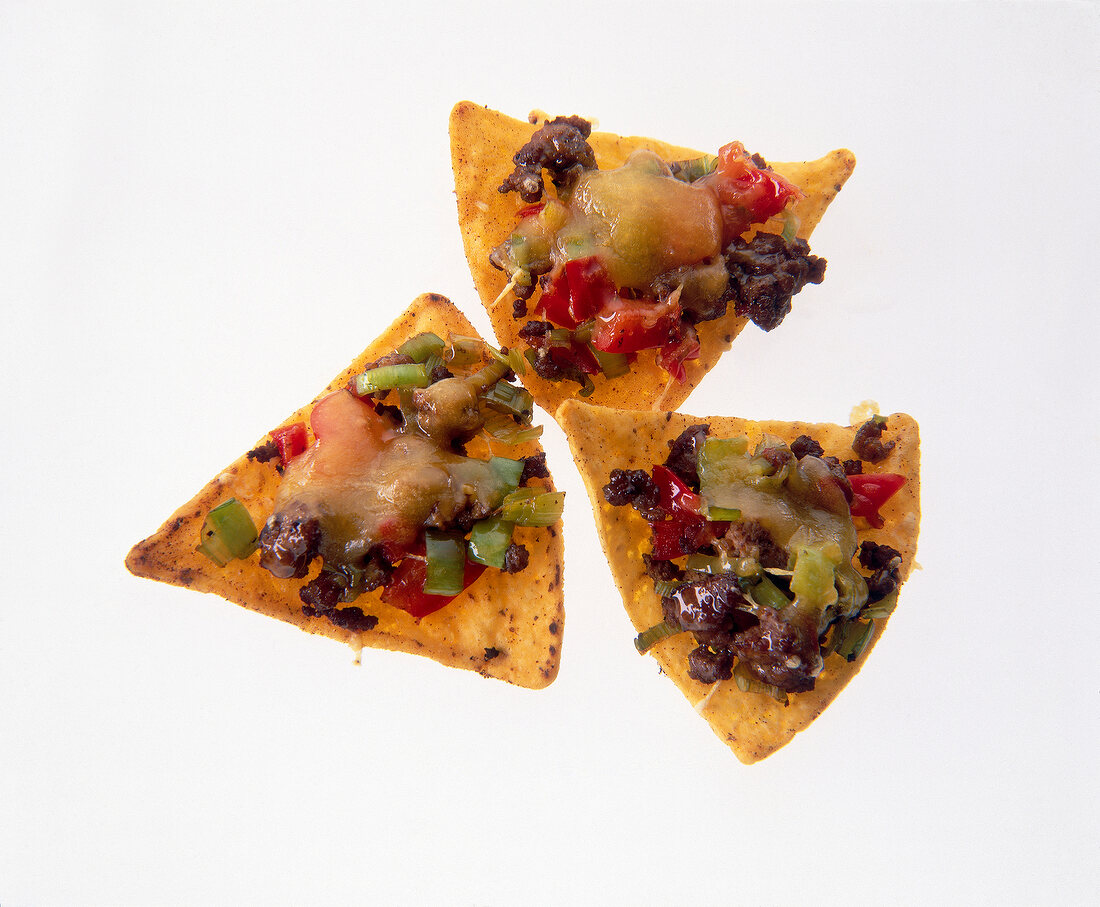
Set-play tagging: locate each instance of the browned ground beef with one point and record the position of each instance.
(683, 457)
(635, 487)
(288, 542)
(749, 538)
(766, 272)
(561, 148)
(867, 444)
(516, 558)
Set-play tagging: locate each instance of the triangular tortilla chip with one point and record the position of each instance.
(482, 144)
(753, 725)
(503, 626)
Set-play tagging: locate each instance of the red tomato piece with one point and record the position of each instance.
(577, 291)
(746, 193)
(406, 590)
(672, 356)
(675, 497)
(291, 441)
(870, 492)
(630, 325)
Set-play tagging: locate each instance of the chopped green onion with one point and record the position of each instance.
(882, 608)
(665, 587)
(707, 563)
(388, 377)
(446, 563)
(746, 683)
(500, 427)
(489, 540)
(814, 581)
(852, 638)
(723, 514)
(488, 374)
(513, 359)
(528, 507)
(464, 351)
(508, 470)
(432, 363)
(765, 592)
(696, 168)
(422, 346)
(511, 399)
(227, 533)
(647, 639)
(612, 364)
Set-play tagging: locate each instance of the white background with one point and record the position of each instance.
(206, 210)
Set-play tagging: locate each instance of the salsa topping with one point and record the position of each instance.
(385, 495)
(754, 553)
(631, 259)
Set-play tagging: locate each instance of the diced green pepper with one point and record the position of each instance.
(489, 541)
(529, 507)
(227, 533)
(446, 563)
(508, 470)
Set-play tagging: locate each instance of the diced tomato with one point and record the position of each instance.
(578, 290)
(630, 325)
(406, 590)
(291, 441)
(674, 496)
(672, 356)
(871, 491)
(747, 194)
(684, 534)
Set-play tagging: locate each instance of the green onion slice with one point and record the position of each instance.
(423, 346)
(765, 592)
(508, 470)
(647, 639)
(612, 364)
(690, 170)
(446, 563)
(882, 608)
(489, 541)
(228, 533)
(388, 377)
(853, 637)
(500, 427)
(464, 351)
(665, 587)
(511, 399)
(723, 514)
(529, 507)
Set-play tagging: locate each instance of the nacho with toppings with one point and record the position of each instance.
(758, 561)
(408, 507)
(624, 267)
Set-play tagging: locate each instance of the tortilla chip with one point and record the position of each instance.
(503, 626)
(753, 725)
(482, 144)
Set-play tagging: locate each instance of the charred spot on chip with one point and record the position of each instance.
(491, 652)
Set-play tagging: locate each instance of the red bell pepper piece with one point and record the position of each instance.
(290, 440)
(870, 492)
(675, 497)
